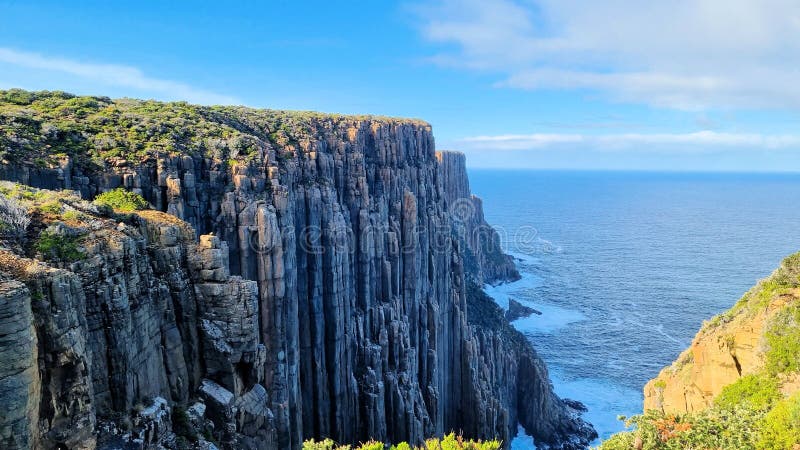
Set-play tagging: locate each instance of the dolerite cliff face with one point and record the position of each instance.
(484, 260)
(326, 297)
(503, 367)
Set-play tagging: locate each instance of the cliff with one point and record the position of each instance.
(751, 338)
(299, 278)
(738, 385)
(484, 260)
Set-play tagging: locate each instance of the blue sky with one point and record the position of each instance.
(620, 84)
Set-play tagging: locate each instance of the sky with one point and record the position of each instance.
(701, 85)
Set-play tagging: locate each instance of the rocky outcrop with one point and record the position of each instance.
(504, 369)
(731, 346)
(484, 260)
(517, 310)
(325, 298)
(504, 377)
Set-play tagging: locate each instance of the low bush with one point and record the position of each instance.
(51, 207)
(72, 215)
(738, 427)
(122, 200)
(448, 442)
(757, 392)
(780, 428)
(181, 425)
(58, 247)
(783, 341)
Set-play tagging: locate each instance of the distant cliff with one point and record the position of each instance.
(484, 260)
(325, 297)
(738, 385)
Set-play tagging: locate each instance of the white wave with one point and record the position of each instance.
(553, 317)
(522, 441)
(604, 399)
(502, 292)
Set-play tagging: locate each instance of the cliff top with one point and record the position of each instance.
(40, 225)
(40, 128)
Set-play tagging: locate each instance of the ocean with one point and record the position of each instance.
(626, 266)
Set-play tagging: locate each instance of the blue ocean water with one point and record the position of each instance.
(625, 267)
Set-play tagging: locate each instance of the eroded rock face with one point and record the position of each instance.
(504, 369)
(326, 298)
(484, 260)
(20, 384)
(730, 346)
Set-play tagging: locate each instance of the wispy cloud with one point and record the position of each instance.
(687, 142)
(114, 75)
(684, 54)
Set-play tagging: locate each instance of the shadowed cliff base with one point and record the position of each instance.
(325, 297)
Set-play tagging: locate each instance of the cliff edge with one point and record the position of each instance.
(297, 277)
(759, 335)
(738, 385)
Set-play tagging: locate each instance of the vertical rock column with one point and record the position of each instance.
(19, 372)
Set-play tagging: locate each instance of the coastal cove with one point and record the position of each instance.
(626, 266)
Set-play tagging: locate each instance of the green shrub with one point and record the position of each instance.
(780, 428)
(756, 392)
(52, 207)
(783, 341)
(448, 442)
(181, 425)
(122, 200)
(72, 215)
(17, 96)
(326, 444)
(57, 247)
(711, 429)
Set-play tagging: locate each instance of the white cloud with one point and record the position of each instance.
(686, 54)
(114, 75)
(686, 142)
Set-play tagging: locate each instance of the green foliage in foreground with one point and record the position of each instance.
(448, 442)
(122, 200)
(774, 427)
(752, 413)
(756, 392)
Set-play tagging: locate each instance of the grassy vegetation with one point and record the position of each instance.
(57, 247)
(42, 209)
(122, 200)
(756, 392)
(39, 128)
(448, 442)
(783, 341)
(780, 282)
(780, 428)
(22, 192)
